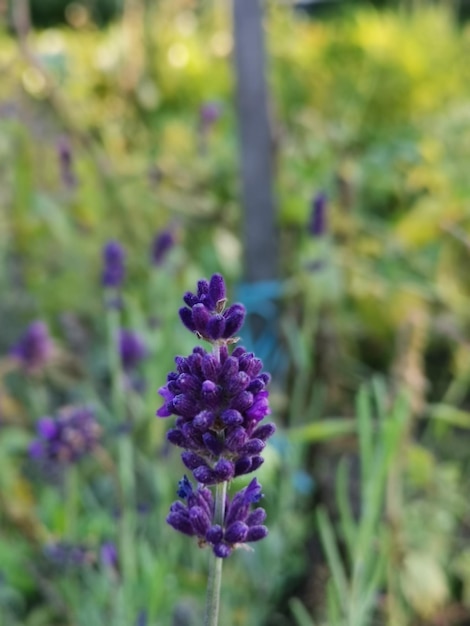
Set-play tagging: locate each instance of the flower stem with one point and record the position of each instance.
(211, 617)
(71, 503)
(125, 452)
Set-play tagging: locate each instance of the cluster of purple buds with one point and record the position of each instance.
(240, 525)
(219, 404)
(205, 313)
(34, 349)
(66, 438)
(113, 264)
(219, 400)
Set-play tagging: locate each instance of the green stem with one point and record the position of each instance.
(71, 503)
(211, 617)
(125, 452)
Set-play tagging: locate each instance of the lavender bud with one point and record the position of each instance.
(224, 470)
(256, 533)
(256, 517)
(180, 522)
(215, 327)
(217, 289)
(186, 317)
(236, 533)
(192, 460)
(215, 534)
(204, 420)
(214, 444)
(205, 475)
(222, 551)
(231, 417)
(234, 319)
(199, 520)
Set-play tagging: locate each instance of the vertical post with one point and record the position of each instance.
(256, 146)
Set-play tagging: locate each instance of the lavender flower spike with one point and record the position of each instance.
(65, 439)
(35, 348)
(318, 222)
(113, 264)
(132, 349)
(161, 246)
(242, 524)
(220, 400)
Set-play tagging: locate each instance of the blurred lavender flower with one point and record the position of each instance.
(65, 555)
(66, 438)
(35, 348)
(241, 523)
(161, 246)
(113, 264)
(65, 157)
(219, 400)
(109, 555)
(318, 223)
(141, 618)
(132, 349)
(209, 114)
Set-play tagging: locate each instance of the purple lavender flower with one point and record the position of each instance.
(209, 113)
(142, 618)
(35, 348)
(113, 264)
(205, 313)
(65, 156)
(318, 224)
(132, 349)
(65, 555)
(219, 400)
(219, 404)
(241, 524)
(66, 438)
(109, 555)
(161, 245)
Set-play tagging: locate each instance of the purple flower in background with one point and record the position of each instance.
(219, 400)
(35, 347)
(113, 264)
(242, 524)
(161, 245)
(132, 349)
(65, 555)
(205, 313)
(209, 114)
(141, 618)
(318, 223)
(65, 157)
(65, 439)
(109, 555)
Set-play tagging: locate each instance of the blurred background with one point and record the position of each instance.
(314, 153)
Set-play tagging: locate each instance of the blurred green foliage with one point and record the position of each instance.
(371, 108)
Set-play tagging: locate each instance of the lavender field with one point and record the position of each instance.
(234, 375)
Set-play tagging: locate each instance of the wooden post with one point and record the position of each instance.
(260, 233)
